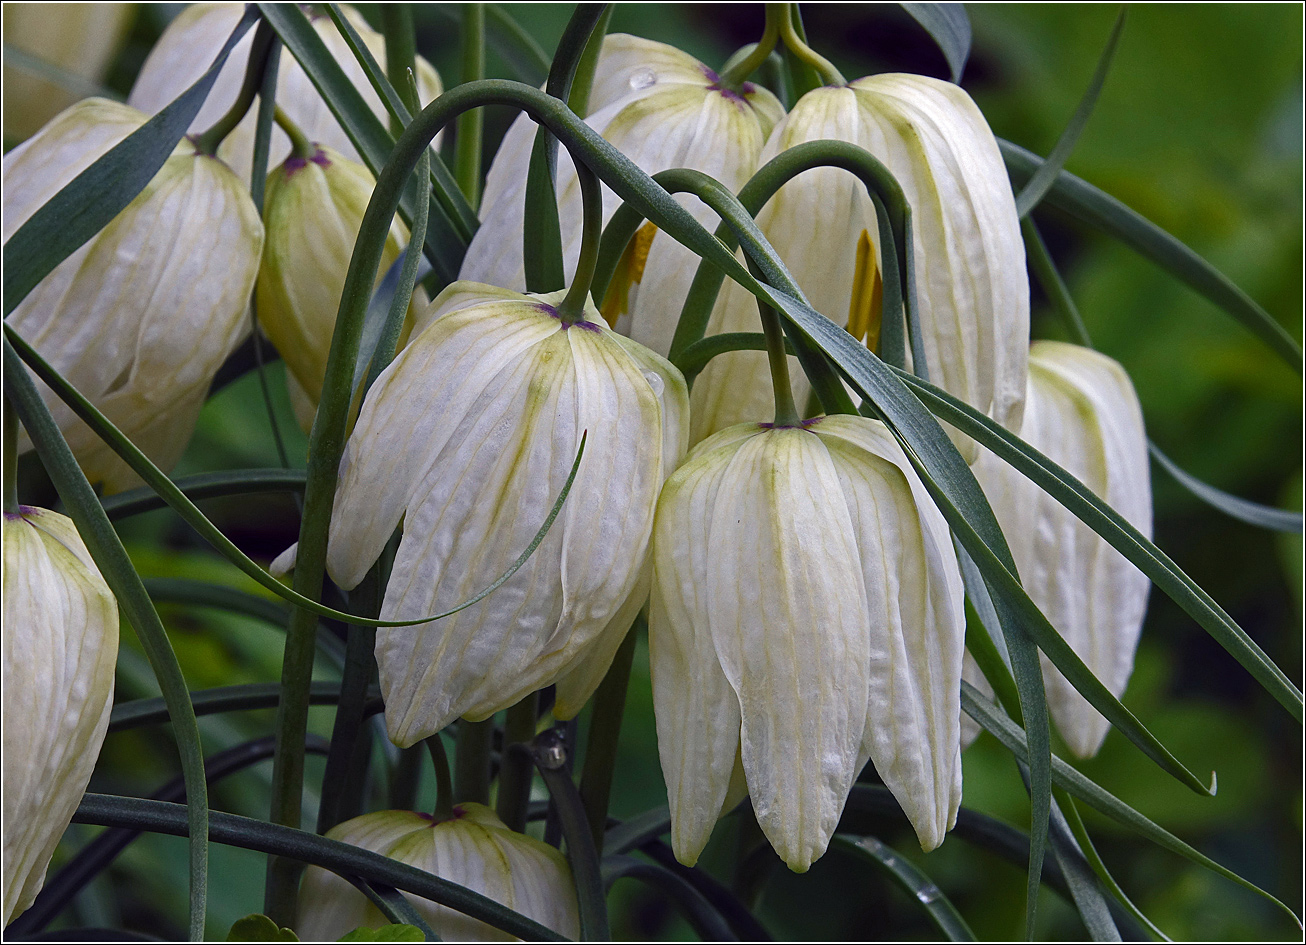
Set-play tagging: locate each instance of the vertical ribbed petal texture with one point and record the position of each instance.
(662, 109)
(313, 211)
(472, 848)
(972, 289)
(141, 317)
(192, 40)
(807, 612)
(468, 437)
(60, 647)
(1082, 413)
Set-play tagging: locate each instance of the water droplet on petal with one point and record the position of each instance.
(643, 79)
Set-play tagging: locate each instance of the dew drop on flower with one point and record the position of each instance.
(643, 79)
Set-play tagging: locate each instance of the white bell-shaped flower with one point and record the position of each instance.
(313, 210)
(467, 439)
(60, 648)
(1083, 414)
(806, 615)
(662, 108)
(191, 42)
(972, 290)
(472, 848)
(141, 316)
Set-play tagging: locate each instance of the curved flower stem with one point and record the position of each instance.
(572, 308)
(795, 44)
(472, 761)
(734, 76)
(300, 146)
(207, 141)
(786, 414)
(515, 772)
(443, 782)
(467, 141)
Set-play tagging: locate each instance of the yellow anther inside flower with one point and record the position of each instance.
(866, 308)
(630, 272)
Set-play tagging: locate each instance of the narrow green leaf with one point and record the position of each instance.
(1088, 897)
(167, 489)
(916, 884)
(206, 486)
(993, 720)
(706, 922)
(95, 196)
(471, 124)
(340, 858)
(949, 27)
(1126, 539)
(1253, 513)
(1108, 215)
(134, 603)
(395, 907)
(1046, 175)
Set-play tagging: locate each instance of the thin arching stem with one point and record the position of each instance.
(572, 308)
(736, 74)
(789, 35)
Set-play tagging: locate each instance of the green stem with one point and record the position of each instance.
(11, 506)
(406, 779)
(300, 146)
(467, 141)
(796, 45)
(734, 76)
(472, 761)
(515, 771)
(207, 141)
(582, 83)
(786, 414)
(400, 56)
(604, 735)
(443, 783)
(572, 308)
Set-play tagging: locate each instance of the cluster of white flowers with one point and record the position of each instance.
(806, 602)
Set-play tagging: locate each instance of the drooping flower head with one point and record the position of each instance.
(806, 615)
(662, 109)
(313, 209)
(191, 42)
(467, 440)
(472, 848)
(1082, 413)
(142, 315)
(60, 647)
(972, 291)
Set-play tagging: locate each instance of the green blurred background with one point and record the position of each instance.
(1199, 128)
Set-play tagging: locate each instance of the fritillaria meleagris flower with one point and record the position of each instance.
(313, 210)
(806, 615)
(191, 42)
(662, 109)
(971, 287)
(60, 647)
(467, 439)
(472, 848)
(78, 39)
(141, 317)
(1082, 413)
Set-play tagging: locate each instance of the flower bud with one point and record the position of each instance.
(313, 211)
(141, 316)
(1082, 413)
(662, 109)
(806, 615)
(192, 41)
(79, 39)
(468, 438)
(972, 291)
(472, 848)
(60, 648)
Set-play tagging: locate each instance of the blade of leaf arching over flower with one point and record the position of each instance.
(949, 27)
(1123, 537)
(93, 198)
(1105, 213)
(1253, 513)
(1007, 732)
(1046, 175)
